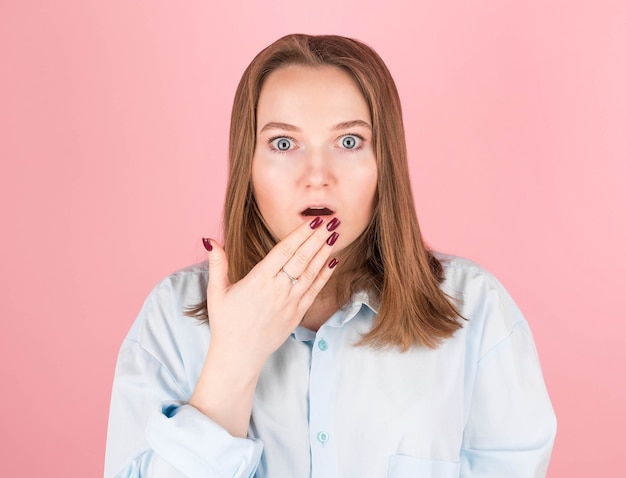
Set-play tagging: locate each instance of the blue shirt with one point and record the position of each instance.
(474, 407)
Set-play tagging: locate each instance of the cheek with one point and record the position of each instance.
(362, 199)
(261, 180)
(269, 186)
(366, 192)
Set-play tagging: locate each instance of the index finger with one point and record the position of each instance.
(291, 245)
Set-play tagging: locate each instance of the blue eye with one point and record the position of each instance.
(350, 141)
(282, 143)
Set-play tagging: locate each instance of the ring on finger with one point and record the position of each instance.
(293, 280)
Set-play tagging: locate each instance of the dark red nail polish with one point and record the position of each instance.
(207, 244)
(333, 224)
(333, 263)
(332, 239)
(315, 223)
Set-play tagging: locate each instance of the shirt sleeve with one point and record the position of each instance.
(511, 424)
(153, 432)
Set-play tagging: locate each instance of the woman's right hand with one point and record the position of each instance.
(250, 319)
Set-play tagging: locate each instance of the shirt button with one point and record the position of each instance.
(322, 437)
(322, 345)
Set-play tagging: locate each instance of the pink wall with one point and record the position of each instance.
(113, 137)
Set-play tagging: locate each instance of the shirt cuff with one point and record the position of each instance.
(197, 446)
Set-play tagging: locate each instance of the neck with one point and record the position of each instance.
(320, 311)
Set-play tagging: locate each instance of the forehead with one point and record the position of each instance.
(297, 92)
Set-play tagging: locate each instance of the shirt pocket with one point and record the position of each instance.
(405, 466)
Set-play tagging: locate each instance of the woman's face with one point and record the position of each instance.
(314, 154)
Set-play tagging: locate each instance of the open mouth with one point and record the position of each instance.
(317, 211)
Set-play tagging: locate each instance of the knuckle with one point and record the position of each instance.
(215, 262)
(301, 257)
(309, 275)
(285, 250)
(311, 292)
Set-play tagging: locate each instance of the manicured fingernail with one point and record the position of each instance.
(333, 263)
(333, 224)
(332, 239)
(315, 223)
(207, 244)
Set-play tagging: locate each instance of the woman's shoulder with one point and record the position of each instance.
(458, 265)
(491, 313)
(163, 338)
(187, 283)
(462, 275)
(170, 298)
(197, 271)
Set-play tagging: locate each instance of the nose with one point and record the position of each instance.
(318, 170)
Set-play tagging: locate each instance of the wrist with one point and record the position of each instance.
(225, 389)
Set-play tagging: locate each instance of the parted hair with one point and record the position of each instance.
(389, 259)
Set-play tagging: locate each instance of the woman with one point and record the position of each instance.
(332, 342)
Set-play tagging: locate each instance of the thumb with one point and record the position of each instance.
(218, 268)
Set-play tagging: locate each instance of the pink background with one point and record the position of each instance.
(113, 139)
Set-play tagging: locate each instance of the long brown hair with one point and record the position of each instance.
(389, 258)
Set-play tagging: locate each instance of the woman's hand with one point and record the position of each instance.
(250, 319)
(257, 314)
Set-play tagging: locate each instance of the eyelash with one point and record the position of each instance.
(361, 139)
(280, 151)
(274, 138)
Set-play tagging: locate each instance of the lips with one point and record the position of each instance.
(317, 211)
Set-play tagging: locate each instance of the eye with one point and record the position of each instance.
(282, 143)
(351, 141)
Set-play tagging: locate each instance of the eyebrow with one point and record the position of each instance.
(352, 124)
(337, 127)
(283, 126)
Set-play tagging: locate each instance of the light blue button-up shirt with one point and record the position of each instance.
(475, 407)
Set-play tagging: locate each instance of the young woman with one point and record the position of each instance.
(328, 340)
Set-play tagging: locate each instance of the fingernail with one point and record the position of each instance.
(333, 224)
(207, 244)
(333, 263)
(332, 239)
(315, 223)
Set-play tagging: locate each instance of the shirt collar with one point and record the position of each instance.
(344, 315)
(358, 300)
